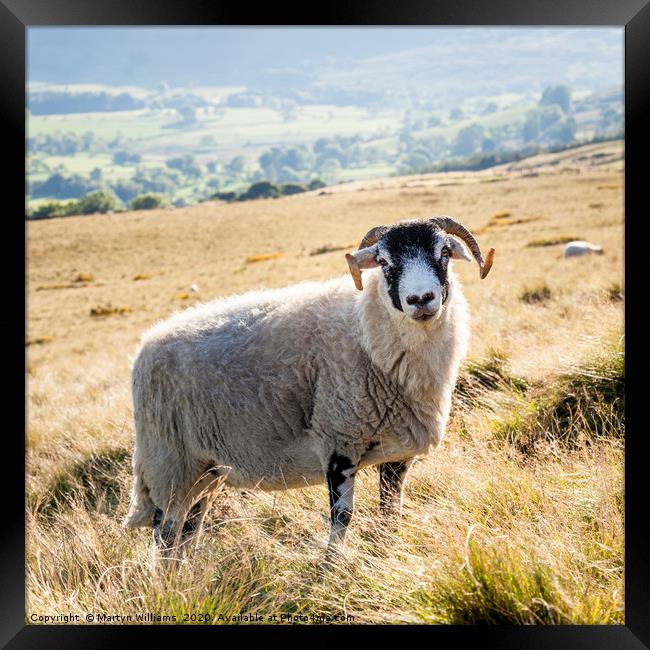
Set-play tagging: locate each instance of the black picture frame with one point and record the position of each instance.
(634, 15)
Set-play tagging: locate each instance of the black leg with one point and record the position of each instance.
(157, 518)
(391, 483)
(164, 533)
(194, 520)
(340, 480)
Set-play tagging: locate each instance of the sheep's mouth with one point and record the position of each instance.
(423, 317)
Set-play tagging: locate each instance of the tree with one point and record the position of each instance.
(159, 179)
(298, 157)
(50, 209)
(127, 189)
(289, 175)
(468, 141)
(62, 187)
(208, 141)
(488, 145)
(549, 115)
(336, 152)
(237, 165)
(224, 196)
(148, 202)
(331, 169)
(285, 164)
(187, 113)
(186, 164)
(261, 190)
(87, 140)
(417, 158)
(99, 201)
(560, 95)
(292, 188)
(126, 158)
(531, 129)
(320, 145)
(316, 184)
(562, 132)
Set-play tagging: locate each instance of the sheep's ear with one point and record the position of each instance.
(364, 258)
(458, 251)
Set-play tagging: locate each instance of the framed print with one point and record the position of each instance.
(326, 321)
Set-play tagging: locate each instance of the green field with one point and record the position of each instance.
(217, 133)
(154, 130)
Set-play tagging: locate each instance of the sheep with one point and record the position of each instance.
(574, 248)
(303, 385)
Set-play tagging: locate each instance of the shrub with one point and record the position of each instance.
(51, 209)
(615, 292)
(99, 201)
(261, 190)
(316, 184)
(148, 202)
(292, 188)
(126, 158)
(224, 196)
(586, 402)
(490, 373)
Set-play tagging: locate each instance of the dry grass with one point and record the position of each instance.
(39, 340)
(108, 310)
(552, 241)
(331, 248)
(263, 257)
(538, 293)
(516, 518)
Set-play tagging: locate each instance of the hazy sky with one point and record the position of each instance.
(209, 55)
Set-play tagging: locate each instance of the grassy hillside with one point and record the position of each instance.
(81, 138)
(516, 518)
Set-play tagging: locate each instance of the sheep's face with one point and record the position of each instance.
(414, 262)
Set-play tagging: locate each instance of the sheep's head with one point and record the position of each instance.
(414, 259)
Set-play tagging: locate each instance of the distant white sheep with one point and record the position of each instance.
(574, 248)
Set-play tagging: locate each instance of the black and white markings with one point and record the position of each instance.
(415, 264)
(340, 480)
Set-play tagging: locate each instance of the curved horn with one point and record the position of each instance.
(370, 238)
(451, 226)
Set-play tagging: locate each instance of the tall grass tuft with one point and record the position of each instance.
(586, 402)
(537, 294)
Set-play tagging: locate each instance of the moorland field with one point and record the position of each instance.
(516, 518)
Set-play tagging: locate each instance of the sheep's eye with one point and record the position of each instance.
(381, 261)
(444, 252)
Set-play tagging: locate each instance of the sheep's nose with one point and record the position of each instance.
(420, 300)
